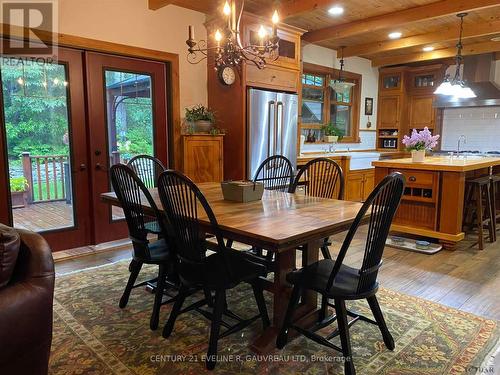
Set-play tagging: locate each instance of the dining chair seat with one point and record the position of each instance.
(153, 227)
(216, 276)
(316, 275)
(159, 252)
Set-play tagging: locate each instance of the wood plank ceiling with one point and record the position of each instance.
(364, 26)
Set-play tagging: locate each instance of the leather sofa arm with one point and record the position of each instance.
(26, 307)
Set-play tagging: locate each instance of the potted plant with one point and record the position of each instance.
(18, 191)
(331, 133)
(419, 142)
(200, 118)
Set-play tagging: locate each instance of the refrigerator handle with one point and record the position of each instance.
(276, 124)
(281, 123)
(270, 105)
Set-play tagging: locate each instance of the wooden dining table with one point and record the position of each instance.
(279, 222)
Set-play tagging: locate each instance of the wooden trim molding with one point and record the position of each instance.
(88, 44)
(356, 104)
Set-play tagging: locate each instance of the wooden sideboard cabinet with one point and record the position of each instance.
(203, 159)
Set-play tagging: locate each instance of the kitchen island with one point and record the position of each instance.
(433, 201)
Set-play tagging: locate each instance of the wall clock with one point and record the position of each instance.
(227, 75)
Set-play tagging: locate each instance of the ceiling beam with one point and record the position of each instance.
(203, 6)
(471, 49)
(444, 35)
(157, 4)
(395, 19)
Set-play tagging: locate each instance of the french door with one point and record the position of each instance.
(44, 185)
(63, 125)
(127, 116)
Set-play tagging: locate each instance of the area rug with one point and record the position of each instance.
(92, 335)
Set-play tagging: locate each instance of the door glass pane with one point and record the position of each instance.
(129, 110)
(35, 100)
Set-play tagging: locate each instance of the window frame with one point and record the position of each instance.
(355, 104)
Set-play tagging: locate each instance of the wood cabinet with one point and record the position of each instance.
(289, 45)
(273, 78)
(421, 112)
(389, 112)
(203, 157)
(359, 184)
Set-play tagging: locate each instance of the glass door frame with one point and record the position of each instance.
(80, 233)
(104, 228)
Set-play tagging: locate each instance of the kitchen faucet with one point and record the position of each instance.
(462, 138)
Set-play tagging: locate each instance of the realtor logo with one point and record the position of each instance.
(32, 27)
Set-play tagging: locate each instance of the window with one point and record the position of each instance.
(321, 104)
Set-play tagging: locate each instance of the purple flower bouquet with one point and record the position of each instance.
(420, 140)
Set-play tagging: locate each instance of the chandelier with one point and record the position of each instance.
(456, 87)
(340, 84)
(228, 49)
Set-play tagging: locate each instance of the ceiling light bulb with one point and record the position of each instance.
(218, 36)
(428, 49)
(395, 35)
(276, 17)
(336, 10)
(262, 32)
(227, 9)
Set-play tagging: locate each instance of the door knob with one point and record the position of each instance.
(83, 167)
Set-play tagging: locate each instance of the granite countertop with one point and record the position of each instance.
(441, 163)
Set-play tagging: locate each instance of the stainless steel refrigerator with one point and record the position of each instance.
(271, 126)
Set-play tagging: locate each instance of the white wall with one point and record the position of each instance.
(130, 22)
(314, 54)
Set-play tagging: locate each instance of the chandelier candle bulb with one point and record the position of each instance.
(275, 20)
(233, 15)
(191, 32)
(227, 9)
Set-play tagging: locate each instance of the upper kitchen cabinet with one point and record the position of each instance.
(421, 112)
(389, 111)
(425, 79)
(391, 80)
(289, 45)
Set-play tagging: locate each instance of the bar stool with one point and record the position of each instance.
(478, 199)
(495, 195)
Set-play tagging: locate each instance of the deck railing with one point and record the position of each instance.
(49, 172)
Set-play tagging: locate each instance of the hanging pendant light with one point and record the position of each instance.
(340, 84)
(456, 87)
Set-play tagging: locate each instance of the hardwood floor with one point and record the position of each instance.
(466, 279)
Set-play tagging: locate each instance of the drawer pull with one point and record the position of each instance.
(412, 178)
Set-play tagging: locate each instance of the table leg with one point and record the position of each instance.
(307, 312)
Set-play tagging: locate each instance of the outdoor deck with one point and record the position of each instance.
(43, 216)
